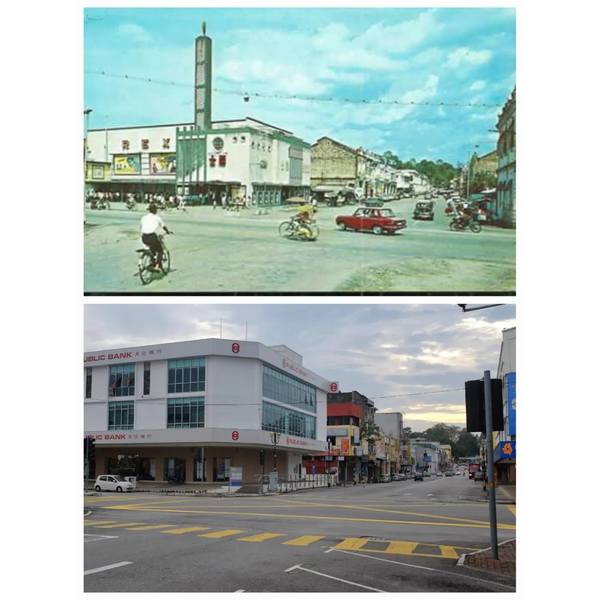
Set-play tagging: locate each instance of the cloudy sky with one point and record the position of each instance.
(410, 55)
(378, 350)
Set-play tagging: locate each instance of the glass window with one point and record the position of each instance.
(88, 382)
(285, 388)
(185, 413)
(146, 378)
(120, 415)
(186, 375)
(284, 420)
(122, 380)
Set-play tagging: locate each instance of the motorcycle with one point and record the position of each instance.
(461, 223)
(131, 204)
(98, 204)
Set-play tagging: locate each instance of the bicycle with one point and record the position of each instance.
(146, 260)
(299, 230)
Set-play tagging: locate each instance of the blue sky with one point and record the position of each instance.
(433, 55)
(379, 350)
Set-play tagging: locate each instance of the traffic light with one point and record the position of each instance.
(475, 409)
(91, 449)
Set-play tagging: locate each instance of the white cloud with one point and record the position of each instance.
(463, 57)
(477, 86)
(492, 329)
(134, 32)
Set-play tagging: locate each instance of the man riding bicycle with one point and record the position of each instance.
(151, 226)
(305, 214)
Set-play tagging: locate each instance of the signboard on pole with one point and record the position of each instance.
(235, 478)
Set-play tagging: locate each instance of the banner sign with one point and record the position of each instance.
(505, 451)
(511, 402)
(163, 164)
(345, 446)
(235, 478)
(127, 164)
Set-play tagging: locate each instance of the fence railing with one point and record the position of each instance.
(292, 483)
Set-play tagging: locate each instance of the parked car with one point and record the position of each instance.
(402, 477)
(424, 210)
(373, 202)
(478, 476)
(376, 220)
(112, 483)
(426, 474)
(418, 476)
(384, 478)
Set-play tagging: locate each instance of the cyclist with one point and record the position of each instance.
(305, 214)
(151, 226)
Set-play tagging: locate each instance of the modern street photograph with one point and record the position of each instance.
(274, 151)
(255, 448)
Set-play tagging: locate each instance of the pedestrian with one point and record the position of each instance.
(223, 200)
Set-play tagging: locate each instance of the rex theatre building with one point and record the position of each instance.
(189, 411)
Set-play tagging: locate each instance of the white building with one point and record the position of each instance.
(189, 411)
(411, 180)
(240, 157)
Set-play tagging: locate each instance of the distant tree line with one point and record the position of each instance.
(462, 442)
(439, 173)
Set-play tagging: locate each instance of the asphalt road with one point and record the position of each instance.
(219, 251)
(395, 537)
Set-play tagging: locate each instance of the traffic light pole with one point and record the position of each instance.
(491, 484)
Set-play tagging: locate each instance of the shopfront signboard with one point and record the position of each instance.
(127, 164)
(511, 402)
(163, 164)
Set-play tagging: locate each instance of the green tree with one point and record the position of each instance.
(442, 433)
(466, 444)
(482, 181)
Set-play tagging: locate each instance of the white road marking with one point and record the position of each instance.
(360, 585)
(509, 587)
(107, 568)
(238, 591)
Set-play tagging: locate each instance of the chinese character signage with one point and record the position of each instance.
(162, 164)
(126, 164)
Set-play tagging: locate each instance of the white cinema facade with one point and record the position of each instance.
(189, 411)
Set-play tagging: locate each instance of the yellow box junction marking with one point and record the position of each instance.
(448, 552)
(304, 540)
(260, 537)
(221, 534)
(182, 530)
(512, 508)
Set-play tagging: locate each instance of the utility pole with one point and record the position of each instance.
(491, 484)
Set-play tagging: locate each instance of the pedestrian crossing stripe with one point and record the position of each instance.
(261, 537)
(303, 540)
(397, 547)
(221, 534)
(146, 527)
(182, 530)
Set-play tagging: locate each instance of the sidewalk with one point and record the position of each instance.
(505, 565)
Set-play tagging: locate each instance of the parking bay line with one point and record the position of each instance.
(299, 567)
(107, 568)
(402, 564)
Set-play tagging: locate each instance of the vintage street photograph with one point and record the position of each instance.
(299, 448)
(299, 151)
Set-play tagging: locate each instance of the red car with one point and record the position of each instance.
(377, 220)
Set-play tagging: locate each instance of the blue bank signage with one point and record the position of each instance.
(510, 380)
(505, 451)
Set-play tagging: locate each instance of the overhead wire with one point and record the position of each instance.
(303, 98)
